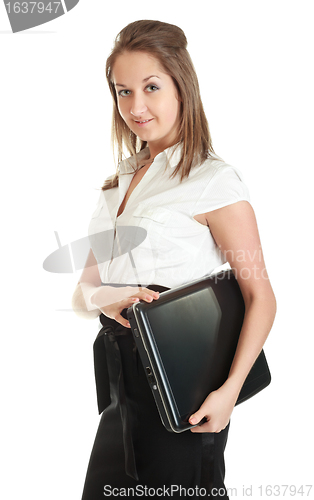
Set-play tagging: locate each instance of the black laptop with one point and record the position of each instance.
(187, 340)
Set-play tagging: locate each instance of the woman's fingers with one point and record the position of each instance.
(147, 295)
(217, 409)
(144, 295)
(114, 310)
(124, 322)
(150, 295)
(197, 417)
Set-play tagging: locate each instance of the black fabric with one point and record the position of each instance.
(131, 440)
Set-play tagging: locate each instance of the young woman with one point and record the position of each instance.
(196, 212)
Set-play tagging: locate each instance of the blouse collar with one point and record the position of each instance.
(171, 156)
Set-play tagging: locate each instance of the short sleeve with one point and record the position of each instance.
(225, 187)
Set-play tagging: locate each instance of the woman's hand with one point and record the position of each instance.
(114, 310)
(217, 409)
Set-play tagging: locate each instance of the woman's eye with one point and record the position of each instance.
(152, 88)
(123, 93)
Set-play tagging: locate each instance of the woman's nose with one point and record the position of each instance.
(138, 105)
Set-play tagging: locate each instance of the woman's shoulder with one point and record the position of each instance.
(216, 169)
(220, 184)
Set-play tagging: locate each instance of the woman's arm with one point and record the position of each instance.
(89, 282)
(79, 304)
(234, 229)
(91, 298)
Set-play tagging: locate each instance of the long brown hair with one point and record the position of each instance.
(167, 43)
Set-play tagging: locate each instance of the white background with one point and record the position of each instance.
(254, 60)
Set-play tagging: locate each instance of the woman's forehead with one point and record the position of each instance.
(136, 65)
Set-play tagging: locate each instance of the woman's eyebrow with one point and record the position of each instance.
(151, 76)
(145, 80)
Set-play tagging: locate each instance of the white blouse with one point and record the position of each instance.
(156, 240)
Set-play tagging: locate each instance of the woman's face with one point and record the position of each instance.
(147, 100)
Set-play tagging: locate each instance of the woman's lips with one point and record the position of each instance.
(142, 123)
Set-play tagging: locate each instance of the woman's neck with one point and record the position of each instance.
(156, 149)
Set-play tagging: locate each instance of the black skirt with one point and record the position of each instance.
(132, 449)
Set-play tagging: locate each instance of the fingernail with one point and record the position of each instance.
(135, 299)
(128, 325)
